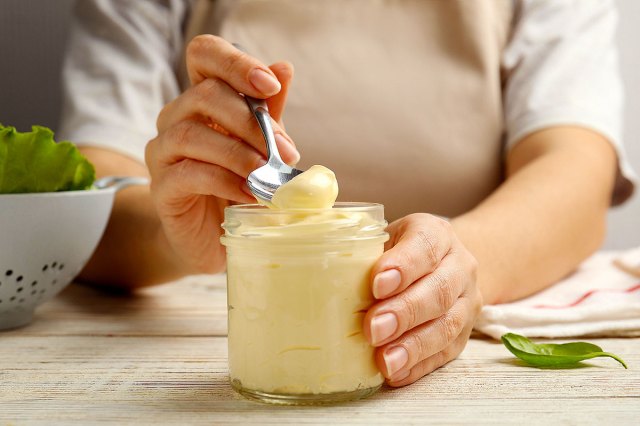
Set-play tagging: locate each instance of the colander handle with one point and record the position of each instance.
(120, 182)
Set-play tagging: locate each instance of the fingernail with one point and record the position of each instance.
(264, 82)
(382, 327)
(400, 376)
(395, 358)
(386, 282)
(284, 142)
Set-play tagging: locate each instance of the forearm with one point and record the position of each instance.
(546, 217)
(133, 251)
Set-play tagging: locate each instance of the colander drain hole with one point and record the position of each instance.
(25, 288)
(59, 266)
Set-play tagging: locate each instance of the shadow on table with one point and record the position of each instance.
(520, 363)
(95, 300)
(215, 395)
(82, 310)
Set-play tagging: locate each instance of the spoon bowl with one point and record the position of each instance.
(264, 181)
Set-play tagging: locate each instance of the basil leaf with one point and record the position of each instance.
(551, 354)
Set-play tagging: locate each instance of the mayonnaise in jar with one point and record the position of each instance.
(298, 276)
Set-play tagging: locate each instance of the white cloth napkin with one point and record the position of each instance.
(601, 298)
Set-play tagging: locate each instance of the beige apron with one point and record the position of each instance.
(402, 99)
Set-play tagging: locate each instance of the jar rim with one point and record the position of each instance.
(347, 221)
(343, 206)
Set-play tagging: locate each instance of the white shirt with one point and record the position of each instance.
(123, 57)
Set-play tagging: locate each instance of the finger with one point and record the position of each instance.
(417, 244)
(432, 363)
(195, 140)
(430, 297)
(188, 177)
(217, 102)
(209, 56)
(425, 340)
(284, 72)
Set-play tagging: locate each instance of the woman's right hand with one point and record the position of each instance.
(207, 144)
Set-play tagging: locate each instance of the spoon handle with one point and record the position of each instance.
(261, 112)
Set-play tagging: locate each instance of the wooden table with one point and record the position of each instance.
(160, 357)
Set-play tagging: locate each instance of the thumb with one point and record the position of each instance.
(284, 73)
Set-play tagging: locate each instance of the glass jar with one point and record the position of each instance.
(298, 288)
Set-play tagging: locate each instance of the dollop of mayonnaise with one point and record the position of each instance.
(316, 188)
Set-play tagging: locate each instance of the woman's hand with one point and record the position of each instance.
(208, 142)
(428, 299)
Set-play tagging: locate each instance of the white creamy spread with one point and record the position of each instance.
(297, 298)
(317, 188)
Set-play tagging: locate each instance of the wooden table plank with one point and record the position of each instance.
(161, 358)
(194, 306)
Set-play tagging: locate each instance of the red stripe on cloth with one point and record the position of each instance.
(587, 295)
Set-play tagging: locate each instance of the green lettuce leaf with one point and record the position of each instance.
(34, 162)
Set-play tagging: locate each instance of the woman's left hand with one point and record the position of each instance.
(428, 299)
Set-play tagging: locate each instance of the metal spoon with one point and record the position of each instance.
(264, 181)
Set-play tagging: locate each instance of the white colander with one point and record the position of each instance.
(45, 240)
